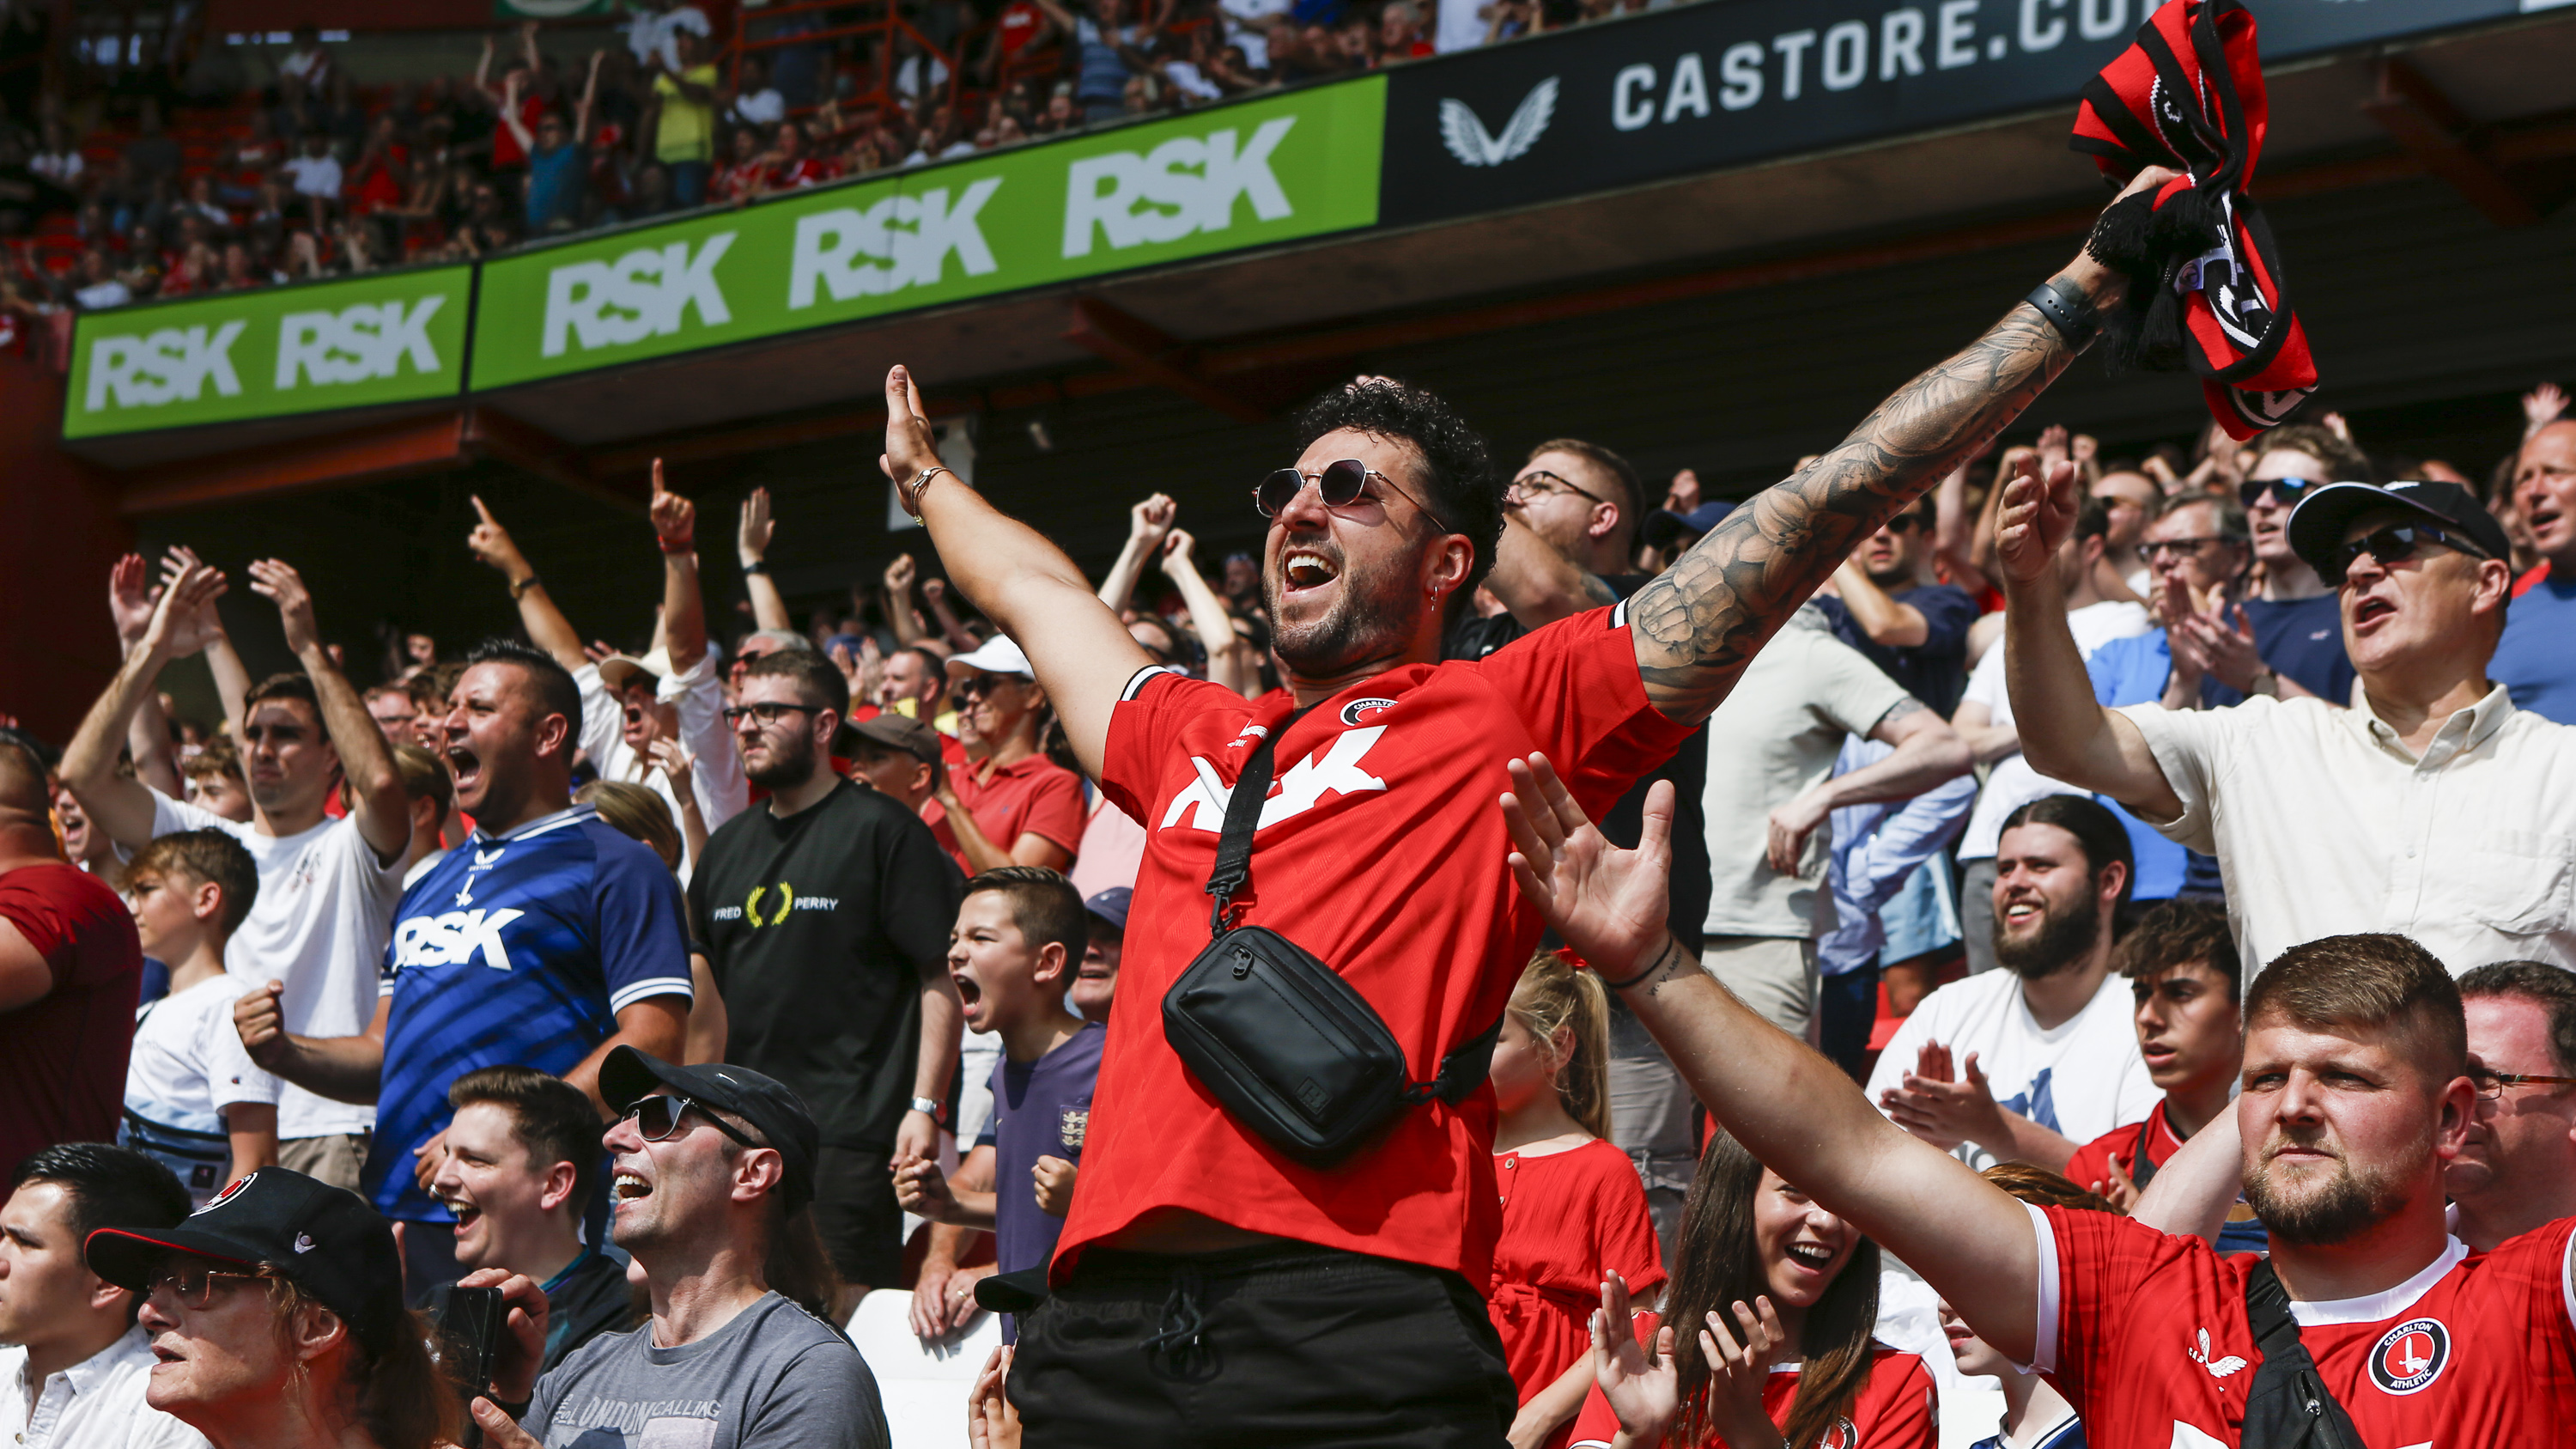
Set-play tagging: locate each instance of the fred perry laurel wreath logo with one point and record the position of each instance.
(2410, 1356)
(1467, 140)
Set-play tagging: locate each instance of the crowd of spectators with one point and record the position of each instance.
(827, 918)
(319, 172)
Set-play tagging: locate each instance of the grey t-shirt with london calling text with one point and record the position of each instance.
(775, 1377)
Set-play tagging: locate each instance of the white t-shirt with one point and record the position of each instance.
(189, 1063)
(2013, 783)
(324, 913)
(2080, 1080)
(314, 175)
(716, 779)
(1460, 25)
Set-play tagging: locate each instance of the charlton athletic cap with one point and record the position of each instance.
(2318, 524)
(323, 1239)
(628, 1076)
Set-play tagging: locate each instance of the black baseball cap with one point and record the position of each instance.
(323, 1239)
(2318, 524)
(1663, 525)
(777, 1114)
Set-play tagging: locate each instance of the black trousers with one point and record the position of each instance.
(1261, 1346)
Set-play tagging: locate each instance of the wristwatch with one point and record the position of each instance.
(935, 1110)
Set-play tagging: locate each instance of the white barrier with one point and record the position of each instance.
(924, 1386)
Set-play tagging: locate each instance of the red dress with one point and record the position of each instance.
(1895, 1410)
(1568, 1218)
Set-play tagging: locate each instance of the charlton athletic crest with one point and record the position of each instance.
(1841, 1436)
(2410, 1356)
(1361, 711)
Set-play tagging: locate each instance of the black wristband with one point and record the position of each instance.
(2067, 309)
(756, 566)
(1651, 968)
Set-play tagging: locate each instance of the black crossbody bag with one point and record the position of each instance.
(2287, 1406)
(1277, 1036)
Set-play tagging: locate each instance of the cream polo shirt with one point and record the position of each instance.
(2324, 825)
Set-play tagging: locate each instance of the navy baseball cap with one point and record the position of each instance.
(1111, 905)
(323, 1239)
(2318, 524)
(1663, 525)
(627, 1076)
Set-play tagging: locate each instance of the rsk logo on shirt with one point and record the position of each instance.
(1300, 790)
(454, 938)
(2410, 1356)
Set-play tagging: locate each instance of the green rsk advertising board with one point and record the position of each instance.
(387, 337)
(1297, 165)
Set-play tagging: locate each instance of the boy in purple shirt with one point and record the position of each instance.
(1020, 935)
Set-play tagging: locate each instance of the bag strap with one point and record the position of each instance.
(1242, 817)
(2288, 1405)
(1467, 1063)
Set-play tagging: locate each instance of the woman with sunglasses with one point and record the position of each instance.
(1772, 1302)
(277, 1317)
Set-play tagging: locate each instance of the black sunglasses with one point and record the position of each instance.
(1341, 484)
(657, 1118)
(2397, 543)
(2251, 491)
(1907, 523)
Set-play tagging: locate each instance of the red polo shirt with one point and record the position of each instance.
(63, 1076)
(1037, 797)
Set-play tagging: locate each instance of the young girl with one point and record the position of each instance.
(2036, 1416)
(1780, 1295)
(1572, 1206)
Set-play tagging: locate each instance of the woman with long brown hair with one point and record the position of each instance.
(1780, 1296)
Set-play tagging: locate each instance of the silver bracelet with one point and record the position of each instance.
(912, 494)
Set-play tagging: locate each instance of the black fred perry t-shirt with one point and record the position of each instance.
(819, 928)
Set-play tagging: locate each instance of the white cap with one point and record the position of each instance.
(998, 656)
(617, 670)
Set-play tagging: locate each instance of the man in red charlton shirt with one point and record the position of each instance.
(1338, 1300)
(71, 968)
(2356, 1093)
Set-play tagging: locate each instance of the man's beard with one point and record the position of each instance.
(790, 764)
(1370, 617)
(2062, 940)
(2337, 1210)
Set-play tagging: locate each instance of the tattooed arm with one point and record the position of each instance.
(1698, 624)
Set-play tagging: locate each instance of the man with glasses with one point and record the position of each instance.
(824, 917)
(2517, 1166)
(2298, 628)
(1008, 804)
(542, 941)
(2431, 808)
(327, 887)
(711, 1170)
(1569, 532)
(1345, 1299)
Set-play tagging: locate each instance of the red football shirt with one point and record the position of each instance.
(1036, 797)
(1381, 851)
(1020, 24)
(63, 1075)
(2146, 1336)
(2092, 1161)
(1568, 1218)
(1896, 1408)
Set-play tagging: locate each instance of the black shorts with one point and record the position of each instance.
(855, 1210)
(1289, 1345)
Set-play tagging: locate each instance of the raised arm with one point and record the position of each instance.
(1023, 583)
(1887, 621)
(147, 732)
(2065, 732)
(510, 114)
(1927, 753)
(1210, 619)
(1789, 1106)
(751, 546)
(376, 796)
(1148, 524)
(547, 628)
(1697, 624)
(582, 111)
(123, 808)
(684, 604)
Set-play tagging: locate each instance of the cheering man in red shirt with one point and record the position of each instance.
(1334, 1303)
